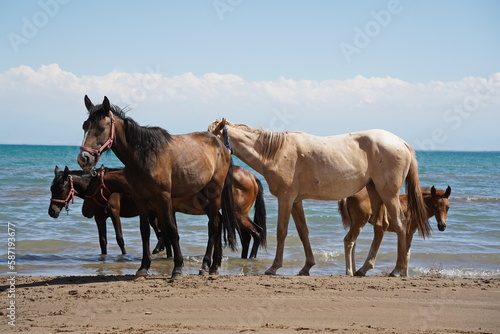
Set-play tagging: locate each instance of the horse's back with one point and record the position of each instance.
(336, 167)
(193, 160)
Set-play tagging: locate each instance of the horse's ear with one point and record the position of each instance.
(56, 170)
(88, 104)
(447, 193)
(66, 172)
(220, 126)
(106, 106)
(433, 191)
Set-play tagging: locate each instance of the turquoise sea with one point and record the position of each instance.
(68, 245)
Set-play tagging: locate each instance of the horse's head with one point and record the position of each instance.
(217, 127)
(99, 133)
(62, 191)
(96, 195)
(440, 205)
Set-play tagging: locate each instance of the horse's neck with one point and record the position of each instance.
(116, 182)
(243, 144)
(80, 183)
(121, 148)
(429, 203)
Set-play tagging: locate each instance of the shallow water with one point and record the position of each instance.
(68, 245)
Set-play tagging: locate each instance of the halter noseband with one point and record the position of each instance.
(70, 197)
(106, 145)
(100, 192)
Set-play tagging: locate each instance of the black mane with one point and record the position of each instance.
(143, 139)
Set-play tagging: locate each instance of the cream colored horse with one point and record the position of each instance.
(300, 166)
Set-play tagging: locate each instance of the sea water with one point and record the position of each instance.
(69, 245)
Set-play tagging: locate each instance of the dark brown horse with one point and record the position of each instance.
(160, 167)
(247, 189)
(67, 184)
(356, 211)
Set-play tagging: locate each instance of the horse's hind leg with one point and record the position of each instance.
(379, 228)
(394, 212)
(245, 238)
(256, 244)
(213, 255)
(350, 244)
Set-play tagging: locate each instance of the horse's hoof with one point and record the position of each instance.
(202, 272)
(394, 274)
(359, 274)
(176, 274)
(141, 274)
(213, 272)
(270, 272)
(303, 273)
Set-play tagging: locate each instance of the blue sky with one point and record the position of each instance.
(427, 70)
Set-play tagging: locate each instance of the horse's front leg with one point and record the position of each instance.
(300, 223)
(146, 254)
(284, 211)
(114, 213)
(409, 238)
(100, 220)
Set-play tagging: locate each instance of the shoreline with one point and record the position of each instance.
(256, 303)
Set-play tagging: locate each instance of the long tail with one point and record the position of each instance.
(344, 213)
(416, 212)
(229, 225)
(259, 217)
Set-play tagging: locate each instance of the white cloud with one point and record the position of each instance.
(188, 102)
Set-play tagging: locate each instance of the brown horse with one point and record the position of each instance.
(160, 167)
(67, 184)
(356, 210)
(300, 166)
(247, 189)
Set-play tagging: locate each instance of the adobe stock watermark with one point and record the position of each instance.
(30, 27)
(280, 119)
(364, 36)
(223, 6)
(455, 116)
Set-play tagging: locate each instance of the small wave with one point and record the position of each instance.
(456, 272)
(324, 255)
(482, 199)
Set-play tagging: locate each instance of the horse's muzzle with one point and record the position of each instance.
(441, 226)
(54, 211)
(86, 160)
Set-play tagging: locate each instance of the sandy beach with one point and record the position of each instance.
(253, 304)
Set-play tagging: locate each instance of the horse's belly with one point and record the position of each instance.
(333, 189)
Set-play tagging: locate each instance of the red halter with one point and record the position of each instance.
(106, 145)
(70, 197)
(100, 192)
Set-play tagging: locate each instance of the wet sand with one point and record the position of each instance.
(252, 304)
